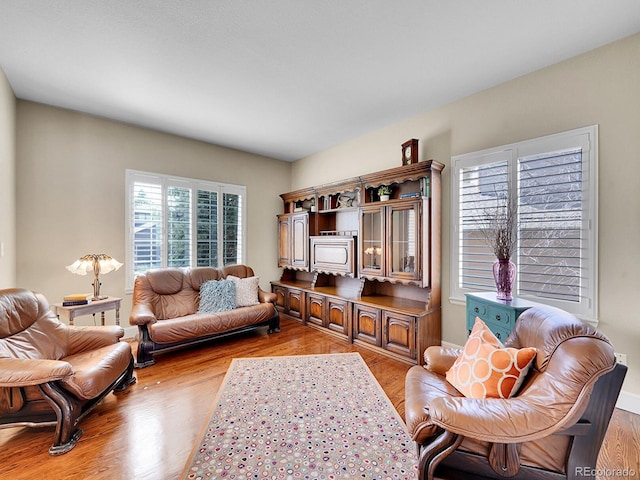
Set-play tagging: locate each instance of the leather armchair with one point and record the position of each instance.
(52, 374)
(552, 428)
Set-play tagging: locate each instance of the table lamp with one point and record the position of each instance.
(98, 263)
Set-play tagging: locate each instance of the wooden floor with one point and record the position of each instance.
(148, 431)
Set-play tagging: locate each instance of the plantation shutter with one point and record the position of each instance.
(480, 188)
(232, 228)
(178, 226)
(551, 225)
(207, 228)
(147, 208)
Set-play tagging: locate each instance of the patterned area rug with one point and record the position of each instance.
(302, 417)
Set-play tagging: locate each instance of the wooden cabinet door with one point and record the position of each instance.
(316, 309)
(281, 297)
(366, 324)
(284, 241)
(403, 235)
(399, 334)
(295, 304)
(300, 241)
(371, 253)
(338, 315)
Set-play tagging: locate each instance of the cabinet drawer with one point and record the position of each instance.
(500, 333)
(333, 254)
(500, 317)
(477, 309)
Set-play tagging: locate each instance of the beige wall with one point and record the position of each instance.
(71, 194)
(600, 87)
(7, 184)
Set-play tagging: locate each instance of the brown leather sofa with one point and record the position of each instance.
(52, 374)
(165, 309)
(553, 428)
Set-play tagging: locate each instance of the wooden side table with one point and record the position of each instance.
(91, 308)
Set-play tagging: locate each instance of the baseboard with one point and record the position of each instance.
(629, 402)
(130, 332)
(626, 400)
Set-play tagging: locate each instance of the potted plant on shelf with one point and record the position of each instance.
(499, 228)
(383, 192)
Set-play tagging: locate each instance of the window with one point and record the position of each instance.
(181, 222)
(554, 180)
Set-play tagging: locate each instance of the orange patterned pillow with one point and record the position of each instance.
(486, 369)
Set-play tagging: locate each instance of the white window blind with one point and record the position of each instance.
(177, 222)
(480, 188)
(554, 179)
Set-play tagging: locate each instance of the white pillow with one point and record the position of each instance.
(246, 290)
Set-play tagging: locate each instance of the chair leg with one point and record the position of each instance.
(436, 451)
(128, 379)
(274, 322)
(144, 357)
(67, 411)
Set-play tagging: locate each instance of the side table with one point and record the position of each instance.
(499, 315)
(91, 308)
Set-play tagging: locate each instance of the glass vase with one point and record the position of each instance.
(504, 273)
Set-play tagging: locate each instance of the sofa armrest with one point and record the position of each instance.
(21, 372)
(439, 359)
(266, 297)
(82, 339)
(141, 314)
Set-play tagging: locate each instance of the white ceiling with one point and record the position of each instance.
(286, 78)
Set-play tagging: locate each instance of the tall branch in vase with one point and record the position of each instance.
(499, 226)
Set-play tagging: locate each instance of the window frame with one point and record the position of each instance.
(587, 139)
(165, 181)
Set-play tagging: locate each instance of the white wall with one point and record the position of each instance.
(599, 87)
(7, 184)
(71, 195)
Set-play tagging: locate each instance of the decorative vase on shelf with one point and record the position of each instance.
(384, 198)
(504, 273)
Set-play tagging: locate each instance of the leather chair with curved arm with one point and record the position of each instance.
(553, 428)
(52, 374)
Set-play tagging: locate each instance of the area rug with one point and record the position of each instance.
(302, 417)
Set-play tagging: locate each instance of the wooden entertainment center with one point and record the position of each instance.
(364, 269)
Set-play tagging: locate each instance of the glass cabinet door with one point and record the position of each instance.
(372, 256)
(403, 256)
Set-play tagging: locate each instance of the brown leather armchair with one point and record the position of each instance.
(553, 428)
(52, 374)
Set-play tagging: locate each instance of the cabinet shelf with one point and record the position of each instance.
(399, 305)
(337, 210)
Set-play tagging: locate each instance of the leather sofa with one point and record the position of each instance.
(552, 428)
(52, 374)
(166, 303)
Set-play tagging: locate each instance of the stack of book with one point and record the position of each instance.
(75, 299)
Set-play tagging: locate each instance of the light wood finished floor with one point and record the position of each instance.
(148, 432)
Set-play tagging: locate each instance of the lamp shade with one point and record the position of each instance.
(97, 263)
(87, 263)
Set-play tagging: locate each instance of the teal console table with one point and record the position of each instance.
(499, 315)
